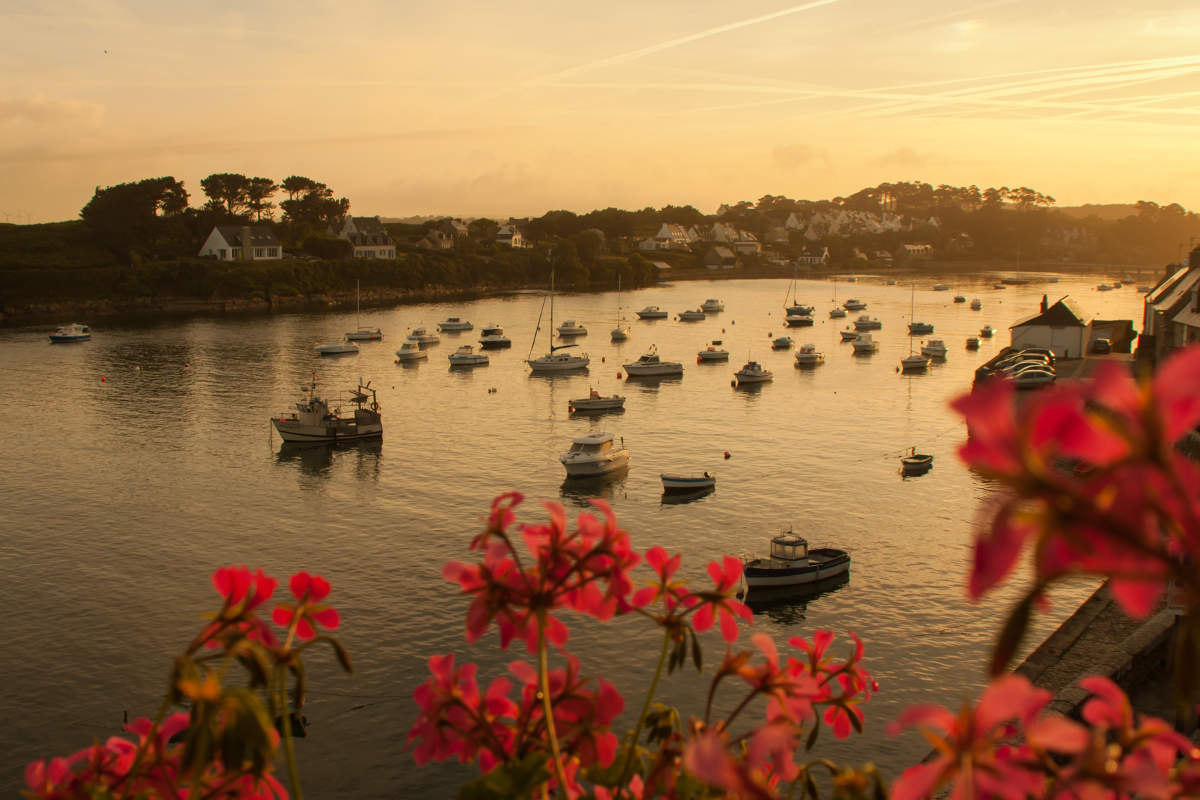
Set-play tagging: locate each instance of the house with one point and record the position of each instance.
(1172, 312)
(436, 239)
(883, 257)
(720, 258)
(811, 257)
(368, 236)
(920, 250)
(509, 236)
(456, 229)
(672, 237)
(1059, 327)
(242, 243)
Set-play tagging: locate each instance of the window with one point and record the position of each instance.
(260, 252)
(236, 252)
(221, 253)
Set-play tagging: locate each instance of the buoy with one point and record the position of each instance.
(603, 359)
(733, 382)
(727, 455)
(618, 376)
(103, 379)
(186, 364)
(722, 330)
(698, 359)
(570, 408)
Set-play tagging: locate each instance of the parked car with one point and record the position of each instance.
(1102, 346)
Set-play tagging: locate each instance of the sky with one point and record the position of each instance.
(414, 107)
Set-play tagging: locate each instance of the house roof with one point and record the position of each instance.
(661, 264)
(1189, 318)
(1064, 313)
(369, 225)
(260, 236)
(1178, 290)
(1164, 286)
(723, 252)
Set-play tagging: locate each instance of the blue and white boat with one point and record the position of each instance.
(75, 332)
(792, 563)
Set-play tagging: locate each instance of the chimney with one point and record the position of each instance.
(1045, 304)
(247, 244)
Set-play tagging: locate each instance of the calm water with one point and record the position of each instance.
(122, 495)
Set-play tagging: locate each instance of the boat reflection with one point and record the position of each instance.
(316, 458)
(676, 497)
(787, 604)
(593, 413)
(580, 490)
(650, 383)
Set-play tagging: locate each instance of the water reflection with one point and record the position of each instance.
(316, 458)
(580, 490)
(787, 605)
(677, 497)
(650, 383)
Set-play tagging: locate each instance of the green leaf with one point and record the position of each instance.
(697, 653)
(1012, 633)
(513, 779)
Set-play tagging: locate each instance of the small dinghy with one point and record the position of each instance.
(914, 463)
(792, 563)
(596, 402)
(688, 483)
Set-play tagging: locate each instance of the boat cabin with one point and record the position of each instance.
(592, 445)
(789, 547)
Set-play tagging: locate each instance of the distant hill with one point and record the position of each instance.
(1109, 212)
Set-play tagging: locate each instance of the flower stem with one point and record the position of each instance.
(637, 732)
(547, 708)
(288, 750)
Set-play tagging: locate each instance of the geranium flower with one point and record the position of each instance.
(720, 601)
(308, 590)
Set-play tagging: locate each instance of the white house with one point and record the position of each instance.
(671, 237)
(242, 243)
(1059, 327)
(1172, 314)
(511, 237)
(368, 236)
(811, 258)
(920, 250)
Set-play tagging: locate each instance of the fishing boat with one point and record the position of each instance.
(958, 298)
(972, 342)
(466, 356)
(854, 304)
(594, 454)
(715, 351)
(987, 331)
(621, 332)
(914, 362)
(798, 320)
(753, 372)
(864, 344)
(75, 332)
(914, 463)
(491, 337)
(782, 343)
(451, 324)
(361, 333)
(652, 312)
(793, 563)
(553, 361)
(650, 365)
(423, 337)
(596, 402)
(807, 356)
(571, 328)
(691, 316)
(976, 304)
(315, 421)
(934, 348)
(865, 322)
(336, 348)
(712, 305)
(687, 483)
(849, 334)
(410, 351)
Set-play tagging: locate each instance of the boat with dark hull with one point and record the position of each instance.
(792, 563)
(315, 421)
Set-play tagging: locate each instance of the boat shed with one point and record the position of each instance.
(1059, 327)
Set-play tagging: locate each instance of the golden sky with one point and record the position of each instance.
(449, 107)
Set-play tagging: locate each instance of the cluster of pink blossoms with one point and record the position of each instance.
(225, 745)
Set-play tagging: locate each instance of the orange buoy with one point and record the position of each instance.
(103, 379)
(570, 408)
(186, 364)
(698, 359)
(618, 376)
(727, 455)
(603, 359)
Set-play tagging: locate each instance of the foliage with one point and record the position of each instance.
(128, 214)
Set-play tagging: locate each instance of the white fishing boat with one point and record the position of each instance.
(753, 372)
(315, 421)
(867, 323)
(793, 563)
(553, 361)
(594, 454)
(492, 337)
(854, 304)
(466, 356)
(362, 333)
(808, 356)
(410, 351)
(782, 343)
(715, 351)
(976, 304)
(596, 402)
(652, 312)
(849, 334)
(691, 316)
(687, 483)
(571, 328)
(454, 324)
(797, 320)
(934, 348)
(423, 337)
(919, 328)
(336, 348)
(914, 362)
(621, 332)
(650, 365)
(75, 332)
(914, 463)
(864, 344)
(712, 305)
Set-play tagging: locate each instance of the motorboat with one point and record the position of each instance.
(958, 298)
(712, 305)
(1104, 287)
(454, 324)
(793, 563)
(554, 361)
(362, 333)
(972, 342)
(914, 362)
(410, 351)
(854, 304)
(492, 337)
(423, 337)
(782, 343)
(652, 312)
(571, 328)
(713, 352)
(466, 356)
(594, 454)
(807, 356)
(837, 312)
(797, 320)
(753, 372)
(919, 328)
(934, 348)
(864, 344)
(650, 365)
(987, 331)
(914, 463)
(315, 421)
(691, 316)
(941, 287)
(688, 483)
(336, 348)
(596, 402)
(976, 304)
(867, 323)
(849, 334)
(75, 332)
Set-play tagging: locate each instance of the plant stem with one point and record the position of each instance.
(547, 708)
(288, 750)
(637, 732)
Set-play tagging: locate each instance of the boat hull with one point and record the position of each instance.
(594, 468)
(68, 338)
(653, 371)
(344, 430)
(684, 484)
(823, 563)
(597, 403)
(713, 355)
(652, 315)
(494, 344)
(548, 364)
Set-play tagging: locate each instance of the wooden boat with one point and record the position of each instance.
(792, 563)
(596, 402)
(914, 463)
(685, 483)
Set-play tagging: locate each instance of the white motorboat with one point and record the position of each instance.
(410, 351)
(782, 343)
(854, 304)
(596, 402)
(808, 356)
(753, 372)
(688, 483)
(554, 361)
(75, 332)
(336, 348)
(712, 305)
(315, 421)
(849, 334)
(454, 324)
(972, 342)
(934, 348)
(914, 463)
(864, 343)
(867, 323)
(837, 312)
(797, 320)
(691, 316)
(987, 331)
(466, 356)
(423, 337)
(650, 365)
(792, 563)
(914, 362)
(571, 328)
(976, 304)
(492, 337)
(594, 454)
(652, 312)
(713, 352)
(958, 298)
(362, 333)
(941, 287)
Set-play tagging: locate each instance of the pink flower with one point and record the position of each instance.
(720, 601)
(308, 590)
(238, 584)
(664, 567)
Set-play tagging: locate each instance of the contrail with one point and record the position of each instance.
(692, 37)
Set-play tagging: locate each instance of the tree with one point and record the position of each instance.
(131, 214)
(310, 205)
(228, 191)
(483, 230)
(297, 185)
(257, 192)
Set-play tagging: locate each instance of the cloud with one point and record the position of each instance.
(797, 156)
(902, 158)
(42, 110)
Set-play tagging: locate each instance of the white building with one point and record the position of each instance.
(242, 243)
(368, 236)
(1059, 327)
(509, 236)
